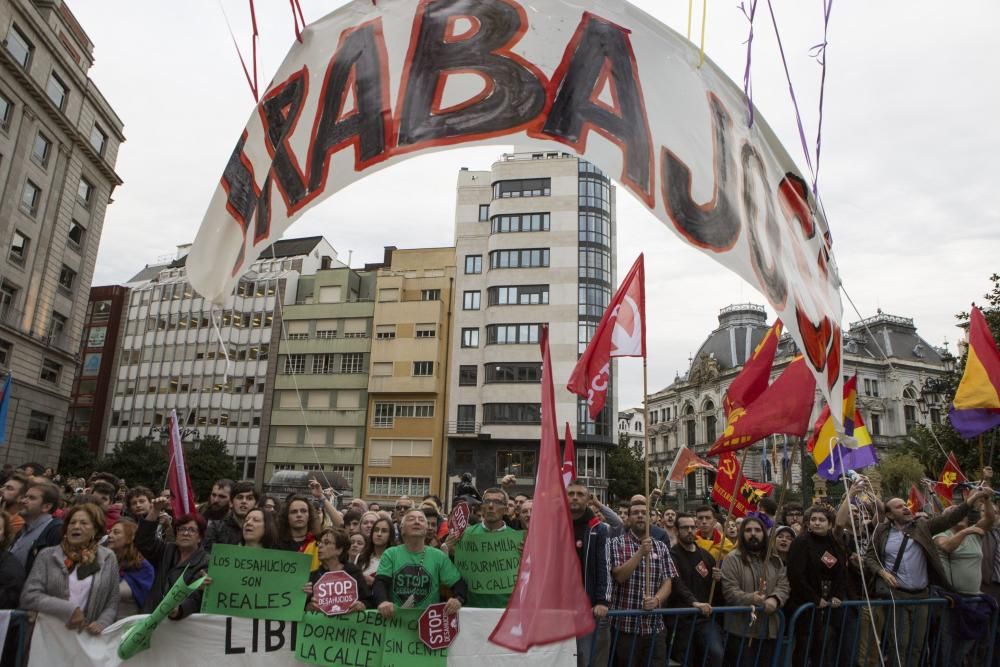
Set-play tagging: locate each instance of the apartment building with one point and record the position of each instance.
(405, 442)
(535, 245)
(59, 142)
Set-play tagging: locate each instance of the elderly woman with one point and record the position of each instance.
(135, 572)
(77, 580)
(333, 547)
(183, 557)
(260, 530)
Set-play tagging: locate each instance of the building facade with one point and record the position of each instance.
(59, 142)
(407, 387)
(631, 427)
(90, 407)
(320, 399)
(535, 245)
(899, 386)
(211, 365)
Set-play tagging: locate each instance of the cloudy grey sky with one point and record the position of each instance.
(908, 176)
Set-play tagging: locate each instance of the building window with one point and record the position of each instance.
(710, 424)
(38, 426)
(423, 368)
(57, 326)
(470, 300)
(519, 295)
(590, 463)
(484, 212)
(425, 331)
(874, 387)
(6, 349)
(6, 112)
(382, 369)
(523, 222)
(876, 424)
(513, 373)
(41, 149)
(388, 294)
(19, 248)
(473, 264)
(519, 259)
(512, 413)
(67, 277)
(468, 376)
(352, 362)
(519, 464)
(399, 486)
(526, 187)
(512, 334)
(98, 139)
(8, 300)
(323, 364)
(909, 416)
(85, 192)
(466, 419)
(470, 337)
(384, 414)
(76, 233)
(385, 331)
(430, 295)
(689, 428)
(295, 364)
(50, 371)
(19, 46)
(31, 197)
(57, 90)
(935, 415)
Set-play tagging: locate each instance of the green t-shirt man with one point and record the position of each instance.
(416, 577)
(476, 533)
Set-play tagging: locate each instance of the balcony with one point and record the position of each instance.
(464, 427)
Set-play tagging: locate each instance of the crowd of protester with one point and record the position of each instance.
(91, 551)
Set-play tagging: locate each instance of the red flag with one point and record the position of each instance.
(951, 476)
(784, 407)
(549, 603)
(730, 481)
(915, 501)
(685, 463)
(178, 480)
(753, 379)
(621, 333)
(569, 459)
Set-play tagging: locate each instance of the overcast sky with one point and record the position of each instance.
(909, 170)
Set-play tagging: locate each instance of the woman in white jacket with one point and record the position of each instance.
(77, 580)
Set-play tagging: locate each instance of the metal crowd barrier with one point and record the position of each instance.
(15, 645)
(888, 633)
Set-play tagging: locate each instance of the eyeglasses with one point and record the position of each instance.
(186, 530)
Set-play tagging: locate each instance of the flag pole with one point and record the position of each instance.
(732, 506)
(645, 458)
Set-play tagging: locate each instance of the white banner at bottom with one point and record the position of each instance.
(204, 640)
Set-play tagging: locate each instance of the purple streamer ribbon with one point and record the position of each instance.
(791, 90)
(747, 86)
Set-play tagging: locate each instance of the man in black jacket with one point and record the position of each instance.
(591, 537)
(41, 529)
(696, 569)
(229, 530)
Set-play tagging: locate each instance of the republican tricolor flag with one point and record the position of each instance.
(621, 333)
(976, 408)
(178, 480)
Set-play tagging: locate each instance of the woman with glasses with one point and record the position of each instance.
(184, 557)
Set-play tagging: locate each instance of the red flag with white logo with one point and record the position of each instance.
(621, 333)
(569, 458)
(178, 480)
(549, 603)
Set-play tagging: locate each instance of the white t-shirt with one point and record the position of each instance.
(79, 591)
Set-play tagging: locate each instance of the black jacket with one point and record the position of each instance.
(364, 592)
(50, 536)
(591, 538)
(694, 572)
(164, 557)
(223, 531)
(813, 560)
(11, 581)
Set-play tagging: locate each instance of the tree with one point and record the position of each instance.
(76, 459)
(899, 471)
(625, 468)
(140, 462)
(207, 462)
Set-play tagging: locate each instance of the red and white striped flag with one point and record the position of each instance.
(178, 480)
(621, 333)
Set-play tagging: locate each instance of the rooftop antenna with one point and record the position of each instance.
(350, 253)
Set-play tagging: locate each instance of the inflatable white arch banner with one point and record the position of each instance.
(372, 84)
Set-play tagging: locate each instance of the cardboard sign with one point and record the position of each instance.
(489, 561)
(366, 639)
(256, 583)
(437, 629)
(458, 520)
(372, 84)
(335, 592)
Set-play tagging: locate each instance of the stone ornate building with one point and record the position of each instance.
(899, 386)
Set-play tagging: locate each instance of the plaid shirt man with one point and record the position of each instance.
(631, 594)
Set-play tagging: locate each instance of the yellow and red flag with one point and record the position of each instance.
(685, 463)
(976, 408)
(916, 501)
(753, 379)
(730, 483)
(951, 477)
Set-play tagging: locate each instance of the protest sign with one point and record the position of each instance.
(489, 561)
(437, 629)
(348, 639)
(256, 583)
(137, 637)
(335, 592)
(458, 520)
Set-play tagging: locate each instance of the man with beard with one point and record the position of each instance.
(410, 575)
(591, 538)
(230, 529)
(641, 571)
(217, 506)
(743, 570)
(696, 569)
